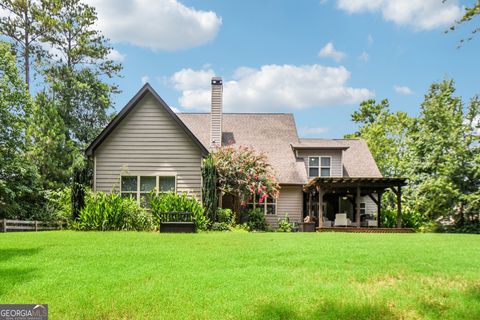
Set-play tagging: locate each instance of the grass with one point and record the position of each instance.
(128, 275)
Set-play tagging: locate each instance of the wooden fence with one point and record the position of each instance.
(21, 225)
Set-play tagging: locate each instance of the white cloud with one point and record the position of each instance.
(370, 39)
(145, 79)
(403, 90)
(158, 25)
(116, 55)
(330, 51)
(419, 14)
(271, 88)
(305, 130)
(364, 56)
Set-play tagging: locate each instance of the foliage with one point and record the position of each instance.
(172, 202)
(48, 147)
(57, 207)
(438, 152)
(256, 220)
(410, 218)
(78, 71)
(209, 187)
(104, 212)
(225, 216)
(20, 190)
(244, 173)
(79, 183)
(469, 13)
(284, 224)
(220, 226)
(24, 24)
(469, 227)
(385, 133)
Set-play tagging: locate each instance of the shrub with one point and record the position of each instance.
(220, 226)
(209, 187)
(111, 212)
(172, 202)
(284, 225)
(226, 216)
(256, 220)
(57, 206)
(410, 219)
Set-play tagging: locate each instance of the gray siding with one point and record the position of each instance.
(336, 155)
(289, 201)
(148, 142)
(370, 206)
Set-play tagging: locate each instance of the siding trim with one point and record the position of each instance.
(130, 105)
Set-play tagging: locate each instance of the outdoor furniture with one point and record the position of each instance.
(372, 223)
(341, 220)
(182, 222)
(327, 223)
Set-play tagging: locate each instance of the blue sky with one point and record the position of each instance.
(270, 54)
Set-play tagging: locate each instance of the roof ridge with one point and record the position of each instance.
(242, 113)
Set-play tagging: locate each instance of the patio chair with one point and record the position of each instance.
(327, 223)
(372, 223)
(341, 220)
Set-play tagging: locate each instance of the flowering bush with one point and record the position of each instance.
(244, 173)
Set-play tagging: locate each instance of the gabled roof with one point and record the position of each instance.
(130, 105)
(357, 158)
(271, 133)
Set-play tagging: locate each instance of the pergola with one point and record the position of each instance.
(358, 187)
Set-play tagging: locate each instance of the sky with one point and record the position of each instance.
(317, 59)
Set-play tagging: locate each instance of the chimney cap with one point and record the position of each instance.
(217, 80)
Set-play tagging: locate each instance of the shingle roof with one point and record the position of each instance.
(271, 133)
(275, 134)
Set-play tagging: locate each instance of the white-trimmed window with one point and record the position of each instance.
(138, 187)
(319, 166)
(269, 205)
(363, 208)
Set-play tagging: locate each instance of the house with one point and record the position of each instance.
(148, 146)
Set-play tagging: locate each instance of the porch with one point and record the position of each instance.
(336, 202)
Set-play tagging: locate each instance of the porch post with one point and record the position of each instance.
(357, 207)
(310, 204)
(379, 209)
(320, 207)
(399, 207)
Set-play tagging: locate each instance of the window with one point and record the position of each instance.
(138, 187)
(363, 209)
(319, 166)
(269, 205)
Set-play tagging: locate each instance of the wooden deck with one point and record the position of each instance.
(365, 230)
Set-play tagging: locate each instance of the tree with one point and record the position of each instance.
(470, 13)
(24, 25)
(19, 188)
(385, 134)
(79, 68)
(444, 153)
(209, 187)
(245, 174)
(48, 148)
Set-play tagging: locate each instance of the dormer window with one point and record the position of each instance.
(319, 166)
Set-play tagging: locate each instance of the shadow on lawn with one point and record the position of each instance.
(327, 310)
(17, 274)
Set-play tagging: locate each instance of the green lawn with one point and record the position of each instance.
(128, 275)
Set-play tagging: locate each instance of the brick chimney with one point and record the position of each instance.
(216, 114)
